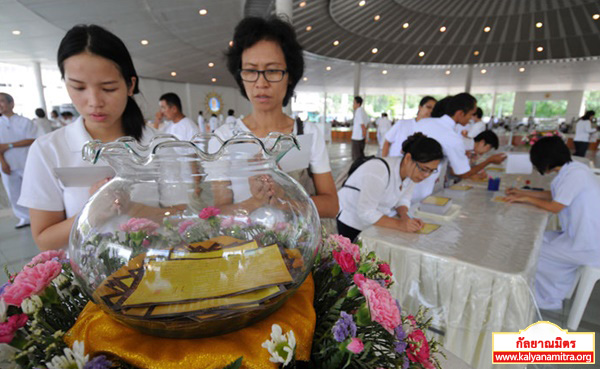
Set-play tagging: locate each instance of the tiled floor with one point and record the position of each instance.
(17, 248)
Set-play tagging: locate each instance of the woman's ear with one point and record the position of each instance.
(131, 87)
(408, 156)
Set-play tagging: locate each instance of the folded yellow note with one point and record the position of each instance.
(428, 228)
(436, 200)
(460, 187)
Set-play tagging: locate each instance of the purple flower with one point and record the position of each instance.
(400, 345)
(344, 327)
(405, 362)
(3, 287)
(99, 362)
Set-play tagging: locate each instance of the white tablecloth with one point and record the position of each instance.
(475, 273)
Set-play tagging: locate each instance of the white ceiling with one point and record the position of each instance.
(183, 41)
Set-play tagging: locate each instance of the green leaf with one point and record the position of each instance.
(364, 268)
(353, 292)
(236, 364)
(336, 270)
(363, 317)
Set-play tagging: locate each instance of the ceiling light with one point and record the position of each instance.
(305, 79)
(540, 49)
(521, 69)
(336, 42)
(539, 25)
(328, 68)
(144, 42)
(374, 50)
(476, 52)
(487, 29)
(362, 3)
(377, 17)
(230, 43)
(308, 28)
(405, 25)
(596, 16)
(303, 4)
(16, 32)
(448, 72)
(203, 12)
(442, 29)
(483, 71)
(214, 80)
(421, 54)
(384, 71)
(173, 74)
(211, 64)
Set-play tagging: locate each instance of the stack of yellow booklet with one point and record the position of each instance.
(436, 205)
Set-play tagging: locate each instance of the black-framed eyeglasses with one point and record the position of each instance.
(271, 75)
(426, 170)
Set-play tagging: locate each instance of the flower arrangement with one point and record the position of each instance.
(359, 324)
(535, 135)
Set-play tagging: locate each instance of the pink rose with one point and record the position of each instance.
(359, 279)
(281, 226)
(344, 244)
(183, 226)
(139, 224)
(31, 281)
(208, 212)
(418, 349)
(146, 242)
(382, 305)
(10, 327)
(385, 269)
(227, 222)
(355, 346)
(47, 255)
(346, 261)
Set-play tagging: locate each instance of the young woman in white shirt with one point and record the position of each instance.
(266, 61)
(583, 132)
(575, 197)
(379, 191)
(101, 81)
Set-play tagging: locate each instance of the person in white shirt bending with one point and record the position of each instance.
(379, 191)
(383, 126)
(583, 132)
(177, 124)
(17, 133)
(359, 129)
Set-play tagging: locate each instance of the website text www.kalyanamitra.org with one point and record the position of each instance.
(543, 357)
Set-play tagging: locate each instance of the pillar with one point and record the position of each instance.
(37, 71)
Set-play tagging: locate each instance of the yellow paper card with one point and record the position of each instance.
(499, 199)
(221, 240)
(495, 169)
(184, 254)
(436, 200)
(460, 187)
(428, 228)
(185, 280)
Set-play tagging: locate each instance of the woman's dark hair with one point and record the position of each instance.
(426, 99)
(489, 137)
(463, 101)
(478, 113)
(422, 149)
(98, 41)
(549, 153)
(40, 113)
(588, 114)
(358, 100)
(172, 99)
(439, 108)
(251, 30)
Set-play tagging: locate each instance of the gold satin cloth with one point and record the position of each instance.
(103, 335)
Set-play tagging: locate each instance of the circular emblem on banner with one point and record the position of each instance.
(213, 102)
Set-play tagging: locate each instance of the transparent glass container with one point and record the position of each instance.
(184, 242)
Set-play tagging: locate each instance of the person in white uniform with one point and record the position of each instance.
(267, 63)
(176, 123)
(101, 85)
(230, 120)
(583, 133)
(359, 129)
(43, 124)
(380, 190)
(17, 133)
(575, 196)
(213, 123)
(402, 128)
(383, 126)
(201, 123)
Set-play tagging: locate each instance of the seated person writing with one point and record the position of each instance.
(482, 144)
(381, 189)
(575, 197)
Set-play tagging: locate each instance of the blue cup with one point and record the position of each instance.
(494, 184)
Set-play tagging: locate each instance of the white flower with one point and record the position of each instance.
(74, 358)
(2, 311)
(7, 356)
(61, 282)
(280, 346)
(31, 304)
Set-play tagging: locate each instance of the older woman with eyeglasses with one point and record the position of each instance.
(266, 61)
(380, 190)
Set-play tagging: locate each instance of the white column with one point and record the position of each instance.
(357, 80)
(325, 108)
(574, 105)
(403, 104)
(493, 112)
(37, 72)
(285, 8)
(469, 78)
(519, 104)
(188, 99)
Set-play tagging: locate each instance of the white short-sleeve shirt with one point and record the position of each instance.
(41, 187)
(372, 192)
(383, 126)
(360, 118)
(583, 131)
(398, 133)
(476, 129)
(16, 128)
(184, 130)
(201, 125)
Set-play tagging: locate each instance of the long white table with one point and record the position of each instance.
(475, 273)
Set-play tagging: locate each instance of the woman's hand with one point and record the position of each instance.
(517, 199)
(5, 168)
(514, 191)
(410, 225)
